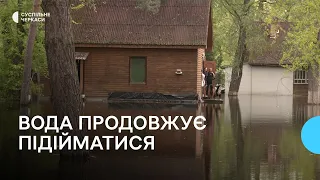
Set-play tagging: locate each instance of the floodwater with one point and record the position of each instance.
(252, 137)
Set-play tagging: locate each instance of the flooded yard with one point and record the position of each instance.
(252, 137)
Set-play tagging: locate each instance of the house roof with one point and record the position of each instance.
(120, 22)
(273, 55)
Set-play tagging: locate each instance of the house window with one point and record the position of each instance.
(300, 77)
(137, 70)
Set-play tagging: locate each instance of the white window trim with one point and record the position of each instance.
(300, 77)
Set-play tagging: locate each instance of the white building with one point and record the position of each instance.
(263, 75)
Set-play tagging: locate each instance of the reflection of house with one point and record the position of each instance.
(177, 143)
(123, 167)
(135, 50)
(175, 150)
(172, 142)
(264, 118)
(258, 109)
(264, 75)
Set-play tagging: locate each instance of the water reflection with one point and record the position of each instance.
(250, 137)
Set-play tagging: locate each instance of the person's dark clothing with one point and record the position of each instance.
(205, 73)
(211, 89)
(205, 76)
(210, 78)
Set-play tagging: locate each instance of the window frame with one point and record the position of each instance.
(300, 77)
(145, 68)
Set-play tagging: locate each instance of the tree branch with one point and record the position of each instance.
(249, 6)
(232, 11)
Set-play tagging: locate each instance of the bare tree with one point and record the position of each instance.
(25, 88)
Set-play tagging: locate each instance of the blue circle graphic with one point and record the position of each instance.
(310, 135)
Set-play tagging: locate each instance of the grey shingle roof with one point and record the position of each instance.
(120, 22)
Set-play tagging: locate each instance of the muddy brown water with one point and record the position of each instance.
(252, 137)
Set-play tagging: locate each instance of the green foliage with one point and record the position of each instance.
(301, 47)
(209, 56)
(10, 37)
(227, 18)
(10, 78)
(217, 56)
(39, 63)
(224, 33)
(36, 88)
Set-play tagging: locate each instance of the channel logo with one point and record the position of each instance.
(15, 17)
(29, 17)
(310, 135)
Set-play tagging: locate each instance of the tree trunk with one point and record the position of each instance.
(63, 76)
(240, 57)
(25, 88)
(314, 85)
(241, 54)
(314, 81)
(20, 31)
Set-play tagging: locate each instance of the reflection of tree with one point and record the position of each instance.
(210, 120)
(217, 112)
(317, 175)
(298, 158)
(18, 164)
(238, 136)
(209, 115)
(253, 152)
(9, 134)
(237, 151)
(222, 150)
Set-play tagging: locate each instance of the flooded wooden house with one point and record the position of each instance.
(123, 49)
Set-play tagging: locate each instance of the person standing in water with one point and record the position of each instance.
(203, 84)
(209, 82)
(205, 73)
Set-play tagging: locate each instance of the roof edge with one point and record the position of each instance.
(77, 45)
(209, 16)
(267, 65)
